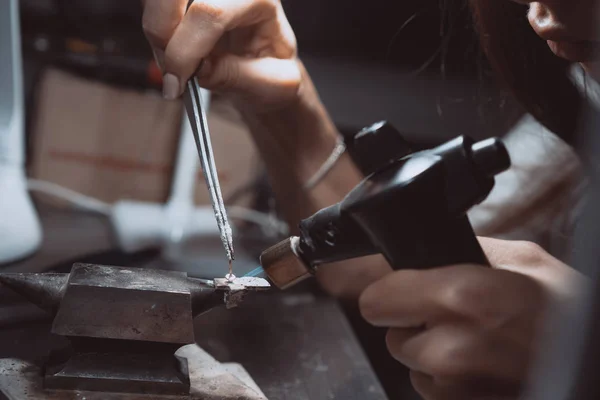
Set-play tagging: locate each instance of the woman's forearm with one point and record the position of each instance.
(294, 142)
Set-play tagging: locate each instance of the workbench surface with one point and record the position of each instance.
(297, 345)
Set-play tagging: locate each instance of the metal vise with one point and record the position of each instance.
(124, 324)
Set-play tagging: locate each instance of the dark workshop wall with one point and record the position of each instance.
(403, 33)
(363, 55)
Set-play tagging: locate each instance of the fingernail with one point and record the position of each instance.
(171, 87)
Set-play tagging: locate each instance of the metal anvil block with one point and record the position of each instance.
(124, 324)
(127, 304)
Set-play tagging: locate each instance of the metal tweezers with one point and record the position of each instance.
(197, 117)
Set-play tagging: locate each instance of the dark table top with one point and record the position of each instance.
(296, 344)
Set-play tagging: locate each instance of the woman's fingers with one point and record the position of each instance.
(504, 253)
(561, 281)
(244, 47)
(431, 388)
(458, 353)
(473, 329)
(265, 78)
(469, 331)
(205, 23)
(487, 297)
(403, 299)
(417, 298)
(427, 387)
(159, 22)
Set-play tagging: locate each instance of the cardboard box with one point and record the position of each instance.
(111, 143)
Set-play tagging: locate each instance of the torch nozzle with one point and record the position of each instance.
(282, 265)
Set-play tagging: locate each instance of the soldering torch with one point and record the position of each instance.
(412, 210)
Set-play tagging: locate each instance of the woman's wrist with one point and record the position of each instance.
(298, 136)
(294, 141)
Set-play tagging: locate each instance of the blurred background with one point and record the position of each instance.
(108, 161)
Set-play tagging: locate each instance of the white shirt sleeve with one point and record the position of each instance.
(538, 197)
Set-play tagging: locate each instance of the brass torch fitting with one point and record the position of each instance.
(282, 264)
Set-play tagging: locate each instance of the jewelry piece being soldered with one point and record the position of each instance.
(197, 117)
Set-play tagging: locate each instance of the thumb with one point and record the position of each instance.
(267, 80)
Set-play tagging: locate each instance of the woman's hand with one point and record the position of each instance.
(249, 53)
(469, 332)
(247, 48)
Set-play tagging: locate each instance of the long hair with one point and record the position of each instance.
(538, 79)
